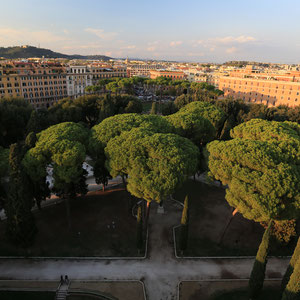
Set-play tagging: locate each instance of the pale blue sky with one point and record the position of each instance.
(192, 30)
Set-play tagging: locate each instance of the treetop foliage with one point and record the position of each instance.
(206, 110)
(197, 121)
(4, 153)
(14, 116)
(261, 167)
(114, 126)
(63, 145)
(156, 163)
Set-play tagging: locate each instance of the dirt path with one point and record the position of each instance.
(161, 271)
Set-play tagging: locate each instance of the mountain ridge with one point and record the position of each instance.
(31, 51)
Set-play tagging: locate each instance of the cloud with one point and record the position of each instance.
(231, 50)
(153, 43)
(100, 33)
(130, 47)
(230, 39)
(11, 36)
(196, 54)
(151, 49)
(175, 43)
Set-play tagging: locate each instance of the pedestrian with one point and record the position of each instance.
(61, 279)
(66, 279)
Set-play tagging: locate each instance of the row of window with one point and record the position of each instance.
(42, 83)
(46, 94)
(262, 95)
(268, 85)
(262, 89)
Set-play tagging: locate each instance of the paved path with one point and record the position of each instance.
(161, 271)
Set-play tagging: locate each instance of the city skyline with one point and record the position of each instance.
(168, 30)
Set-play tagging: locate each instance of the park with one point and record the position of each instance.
(199, 203)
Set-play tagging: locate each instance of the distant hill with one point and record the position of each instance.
(30, 51)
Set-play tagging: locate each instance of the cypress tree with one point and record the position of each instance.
(257, 276)
(153, 108)
(291, 266)
(21, 227)
(184, 225)
(292, 290)
(139, 234)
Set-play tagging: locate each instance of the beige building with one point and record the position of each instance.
(9, 82)
(141, 70)
(267, 88)
(101, 71)
(41, 84)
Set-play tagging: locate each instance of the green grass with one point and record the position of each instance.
(22, 295)
(209, 213)
(242, 294)
(92, 232)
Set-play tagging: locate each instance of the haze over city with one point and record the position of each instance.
(202, 31)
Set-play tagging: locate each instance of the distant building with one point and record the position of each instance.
(78, 78)
(272, 89)
(42, 85)
(141, 70)
(174, 75)
(102, 71)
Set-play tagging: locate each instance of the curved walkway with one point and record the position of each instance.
(160, 271)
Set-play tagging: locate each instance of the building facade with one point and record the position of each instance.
(267, 88)
(174, 75)
(102, 71)
(141, 70)
(41, 84)
(78, 78)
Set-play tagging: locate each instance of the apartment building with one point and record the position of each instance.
(141, 70)
(272, 89)
(41, 84)
(102, 71)
(78, 78)
(9, 82)
(174, 75)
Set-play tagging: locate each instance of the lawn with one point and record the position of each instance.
(209, 214)
(26, 295)
(122, 290)
(266, 294)
(226, 290)
(102, 225)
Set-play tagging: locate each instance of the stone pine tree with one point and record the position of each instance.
(184, 227)
(40, 188)
(139, 233)
(292, 290)
(20, 226)
(64, 147)
(260, 165)
(257, 276)
(291, 266)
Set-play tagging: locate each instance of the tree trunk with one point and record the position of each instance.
(147, 215)
(68, 210)
(227, 225)
(124, 181)
(103, 187)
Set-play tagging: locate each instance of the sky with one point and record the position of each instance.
(182, 30)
